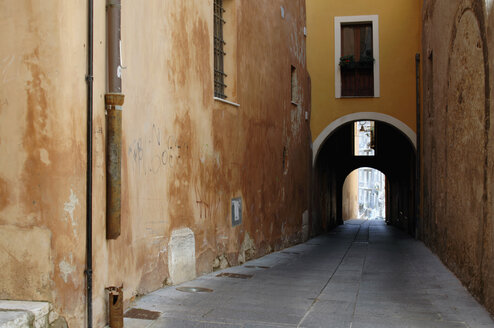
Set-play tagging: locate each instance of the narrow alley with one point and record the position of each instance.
(246, 163)
(361, 274)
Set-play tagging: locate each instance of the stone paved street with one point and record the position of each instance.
(360, 275)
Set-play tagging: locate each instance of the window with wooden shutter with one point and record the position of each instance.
(357, 60)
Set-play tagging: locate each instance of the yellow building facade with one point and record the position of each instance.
(396, 30)
(361, 58)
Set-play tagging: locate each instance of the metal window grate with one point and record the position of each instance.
(219, 53)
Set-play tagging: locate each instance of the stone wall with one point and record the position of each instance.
(457, 140)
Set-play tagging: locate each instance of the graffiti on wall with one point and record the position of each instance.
(207, 203)
(156, 151)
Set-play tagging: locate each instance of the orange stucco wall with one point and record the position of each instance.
(185, 155)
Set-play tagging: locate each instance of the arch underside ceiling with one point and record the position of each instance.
(361, 116)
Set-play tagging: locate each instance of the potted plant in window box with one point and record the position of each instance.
(347, 62)
(366, 62)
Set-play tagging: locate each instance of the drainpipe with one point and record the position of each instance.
(114, 100)
(417, 155)
(89, 170)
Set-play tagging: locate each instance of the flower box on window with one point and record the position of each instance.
(348, 62)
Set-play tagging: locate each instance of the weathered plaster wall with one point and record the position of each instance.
(399, 41)
(42, 142)
(185, 155)
(457, 140)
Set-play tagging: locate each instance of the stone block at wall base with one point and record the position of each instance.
(28, 314)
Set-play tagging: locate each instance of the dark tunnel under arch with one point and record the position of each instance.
(394, 157)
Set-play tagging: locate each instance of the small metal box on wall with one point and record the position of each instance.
(236, 211)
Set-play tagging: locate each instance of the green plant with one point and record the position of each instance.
(366, 61)
(347, 62)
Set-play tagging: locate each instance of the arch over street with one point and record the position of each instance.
(361, 116)
(394, 155)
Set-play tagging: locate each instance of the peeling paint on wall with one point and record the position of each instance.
(44, 156)
(66, 268)
(247, 249)
(296, 119)
(69, 208)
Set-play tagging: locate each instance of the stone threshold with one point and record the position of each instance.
(26, 314)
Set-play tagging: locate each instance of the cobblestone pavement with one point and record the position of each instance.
(363, 274)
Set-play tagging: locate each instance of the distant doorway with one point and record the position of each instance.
(364, 195)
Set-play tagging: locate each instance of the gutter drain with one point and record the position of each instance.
(194, 290)
(291, 253)
(142, 314)
(235, 275)
(256, 267)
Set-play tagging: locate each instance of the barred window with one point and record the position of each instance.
(219, 52)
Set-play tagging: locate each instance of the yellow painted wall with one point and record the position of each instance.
(399, 41)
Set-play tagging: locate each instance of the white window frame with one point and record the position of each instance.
(338, 21)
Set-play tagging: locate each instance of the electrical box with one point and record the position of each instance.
(236, 211)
